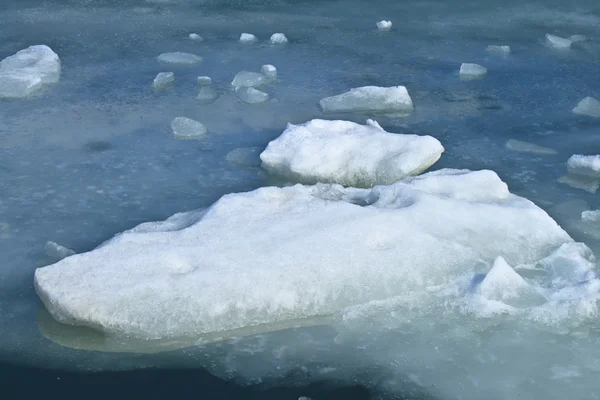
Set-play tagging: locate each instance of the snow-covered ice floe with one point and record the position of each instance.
(376, 99)
(278, 38)
(163, 80)
(250, 95)
(180, 58)
(472, 71)
(249, 79)
(269, 71)
(278, 254)
(204, 80)
(558, 42)
(248, 38)
(195, 37)
(186, 128)
(348, 153)
(589, 106)
(28, 71)
(384, 25)
(584, 165)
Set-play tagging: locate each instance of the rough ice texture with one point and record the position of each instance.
(163, 80)
(28, 71)
(498, 49)
(204, 80)
(584, 165)
(384, 25)
(248, 38)
(195, 37)
(588, 106)
(277, 254)
(526, 147)
(348, 153)
(249, 79)
(250, 95)
(470, 70)
(57, 252)
(558, 42)
(186, 128)
(269, 71)
(180, 58)
(393, 99)
(591, 215)
(278, 38)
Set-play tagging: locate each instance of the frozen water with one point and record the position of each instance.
(526, 147)
(470, 71)
(278, 38)
(186, 128)
(384, 25)
(349, 154)
(163, 80)
(498, 49)
(269, 71)
(248, 38)
(204, 80)
(251, 95)
(249, 79)
(369, 99)
(589, 106)
(28, 71)
(195, 37)
(558, 42)
(590, 215)
(578, 38)
(584, 165)
(588, 184)
(208, 276)
(179, 58)
(207, 95)
(57, 252)
(245, 156)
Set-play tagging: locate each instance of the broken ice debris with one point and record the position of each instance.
(278, 38)
(588, 106)
(251, 95)
(57, 252)
(498, 49)
(584, 165)
(248, 157)
(269, 71)
(384, 25)
(526, 147)
(163, 80)
(578, 38)
(472, 71)
(558, 42)
(180, 58)
(186, 128)
(207, 95)
(248, 79)
(393, 99)
(204, 80)
(248, 38)
(195, 37)
(591, 215)
(28, 72)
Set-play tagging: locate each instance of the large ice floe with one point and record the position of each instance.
(28, 71)
(348, 153)
(394, 100)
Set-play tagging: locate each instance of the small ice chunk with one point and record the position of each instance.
(471, 71)
(584, 165)
(163, 80)
(269, 71)
(588, 184)
(28, 71)
(207, 95)
(278, 38)
(374, 124)
(195, 37)
(204, 80)
(369, 99)
(591, 215)
(179, 58)
(498, 49)
(348, 153)
(248, 157)
(588, 106)
(186, 128)
(56, 251)
(384, 25)
(578, 38)
(526, 147)
(248, 79)
(248, 38)
(558, 42)
(251, 95)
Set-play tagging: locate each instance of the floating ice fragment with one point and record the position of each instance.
(249, 157)
(186, 128)
(204, 80)
(278, 38)
(251, 95)
(558, 42)
(584, 165)
(248, 38)
(498, 49)
(163, 80)
(207, 95)
(384, 25)
(588, 184)
(180, 58)
(249, 79)
(28, 72)
(348, 153)
(526, 147)
(57, 252)
(269, 71)
(195, 37)
(588, 106)
(590, 215)
(369, 99)
(472, 71)
(578, 38)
